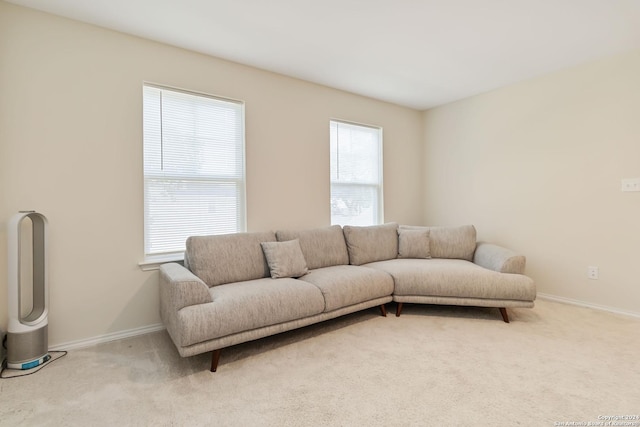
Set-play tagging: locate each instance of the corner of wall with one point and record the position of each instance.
(3, 350)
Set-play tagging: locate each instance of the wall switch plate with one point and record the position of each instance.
(630, 184)
(593, 272)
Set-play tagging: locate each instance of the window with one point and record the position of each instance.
(194, 179)
(356, 174)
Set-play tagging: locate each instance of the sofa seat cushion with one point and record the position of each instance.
(455, 278)
(345, 285)
(243, 306)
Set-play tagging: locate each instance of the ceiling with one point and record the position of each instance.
(416, 53)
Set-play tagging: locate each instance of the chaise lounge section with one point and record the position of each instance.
(452, 269)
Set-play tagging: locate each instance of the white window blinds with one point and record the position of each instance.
(194, 178)
(356, 174)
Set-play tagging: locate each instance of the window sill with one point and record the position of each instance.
(153, 262)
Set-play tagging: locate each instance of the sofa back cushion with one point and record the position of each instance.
(228, 258)
(372, 243)
(450, 242)
(322, 247)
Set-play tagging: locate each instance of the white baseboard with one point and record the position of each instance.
(88, 342)
(588, 305)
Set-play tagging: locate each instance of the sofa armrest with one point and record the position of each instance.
(498, 259)
(180, 288)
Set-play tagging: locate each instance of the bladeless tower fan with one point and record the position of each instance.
(28, 286)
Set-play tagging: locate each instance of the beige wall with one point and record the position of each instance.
(537, 166)
(71, 148)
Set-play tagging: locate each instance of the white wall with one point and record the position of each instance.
(71, 148)
(537, 166)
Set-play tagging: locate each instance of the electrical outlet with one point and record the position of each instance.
(593, 272)
(630, 184)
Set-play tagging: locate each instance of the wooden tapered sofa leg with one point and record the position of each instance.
(399, 309)
(383, 310)
(215, 358)
(505, 316)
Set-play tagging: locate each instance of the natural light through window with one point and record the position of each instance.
(356, 174)
(194, 168)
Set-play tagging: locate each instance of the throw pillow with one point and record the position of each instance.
(285, 259)
(450, 242)
(413, 244)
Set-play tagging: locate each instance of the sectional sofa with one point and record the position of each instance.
(240, 287)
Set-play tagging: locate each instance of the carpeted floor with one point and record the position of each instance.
(440, 366)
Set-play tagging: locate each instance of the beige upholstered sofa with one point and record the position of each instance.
(241, 287)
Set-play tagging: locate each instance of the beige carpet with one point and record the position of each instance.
(434, 365)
